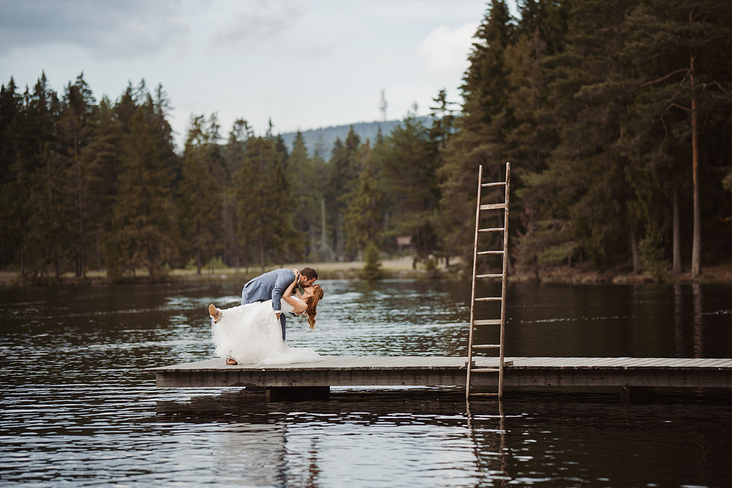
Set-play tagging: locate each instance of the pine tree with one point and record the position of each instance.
(125, 109)
(47, 206)
(166, 145)
(13, 178)
(540, 34)
(547, 20)
(443, 120)
(529, 141)
(480, 137)
(286, 240)
(308, 182)
(103, 161)
(680, 50)
(343, 170)
(47, 202)
(364, 215)
(233, 158)
(585, 185)
(144, 218)
(41, 118)
(407, 167)
(297, 169)
(249, 197)
(263, 185)
(200, 195)
(316, 186)
(76, 122)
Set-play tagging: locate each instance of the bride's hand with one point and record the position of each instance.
(287, 293)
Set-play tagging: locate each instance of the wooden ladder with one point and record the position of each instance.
(482, 208)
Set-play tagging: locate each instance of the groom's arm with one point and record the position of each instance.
(284, 279)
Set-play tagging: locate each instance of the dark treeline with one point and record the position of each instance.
(615, 114)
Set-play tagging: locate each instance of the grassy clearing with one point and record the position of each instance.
(401, 268)
(393, 268)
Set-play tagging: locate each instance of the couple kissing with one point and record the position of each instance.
(254, 332)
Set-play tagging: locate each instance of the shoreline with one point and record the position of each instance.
(720, 273)
(400, 268)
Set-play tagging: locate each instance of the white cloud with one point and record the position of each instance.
(103, 29)
(257, 23)
(302, 64)
(385, 60)
(446, 50)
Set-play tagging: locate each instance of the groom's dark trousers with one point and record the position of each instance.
(270, 285)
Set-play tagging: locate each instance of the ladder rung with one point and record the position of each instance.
(486, 346)
(492, 229)
(493, 206)
(495, 183)
(490, 275)
(489, 299)
(485, 370)
(487, 322)
(483, 253)
(484, 393)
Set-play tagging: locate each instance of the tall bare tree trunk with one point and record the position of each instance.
(81, 258)
(677, 268)
(634, 252)
(54, 251)
(696, 239)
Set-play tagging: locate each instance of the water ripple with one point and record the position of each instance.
(79, 408)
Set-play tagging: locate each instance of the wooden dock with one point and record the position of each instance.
(451, 372)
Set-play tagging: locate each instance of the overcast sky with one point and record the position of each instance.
(304, 64)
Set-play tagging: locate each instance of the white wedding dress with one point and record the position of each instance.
(252, 334)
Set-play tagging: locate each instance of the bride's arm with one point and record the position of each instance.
(297, 288)
(296, 303)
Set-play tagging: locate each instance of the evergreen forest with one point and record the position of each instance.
(616, 116)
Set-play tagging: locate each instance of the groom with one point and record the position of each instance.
(271, 285)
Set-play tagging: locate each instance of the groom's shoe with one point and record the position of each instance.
(215, 313)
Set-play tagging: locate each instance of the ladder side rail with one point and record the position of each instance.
(503, 282)
(472, 292)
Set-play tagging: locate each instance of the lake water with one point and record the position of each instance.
(78, 407)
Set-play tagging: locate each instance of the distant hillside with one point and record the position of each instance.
(326, 136)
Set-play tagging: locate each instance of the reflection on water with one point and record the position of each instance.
(77, 406)
(388, 439)
(426, 438)
(698, 322)
(252, 454)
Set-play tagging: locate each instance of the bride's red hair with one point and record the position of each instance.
(312, 303)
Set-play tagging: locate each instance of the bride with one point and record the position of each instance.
(252, 334)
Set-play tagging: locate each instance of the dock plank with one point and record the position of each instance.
(450, 371)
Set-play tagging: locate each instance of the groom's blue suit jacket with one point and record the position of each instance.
(269, 285)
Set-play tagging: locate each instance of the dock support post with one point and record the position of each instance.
(298, 393)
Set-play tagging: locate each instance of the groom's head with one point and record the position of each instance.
(308, 276)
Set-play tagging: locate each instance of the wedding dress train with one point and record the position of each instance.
(252, 334)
